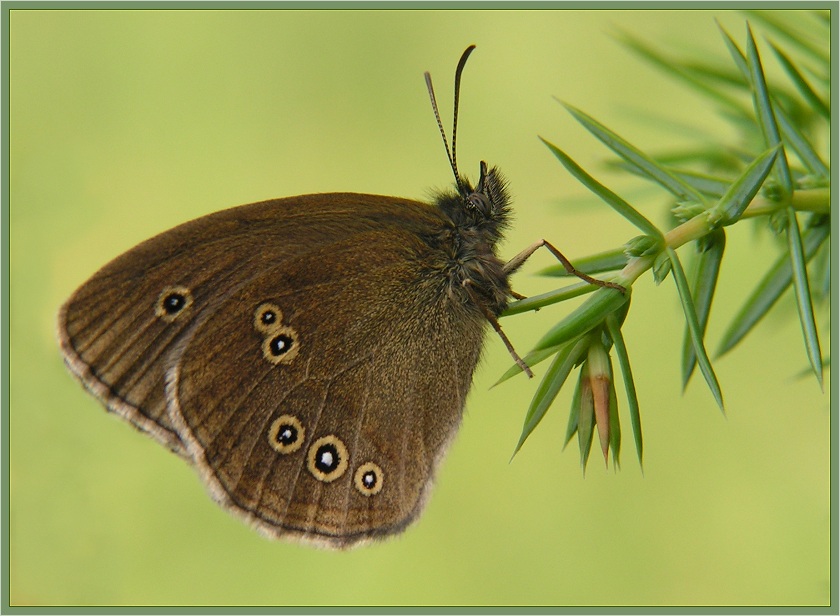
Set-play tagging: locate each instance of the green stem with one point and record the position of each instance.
(808, 200)
(690, 230)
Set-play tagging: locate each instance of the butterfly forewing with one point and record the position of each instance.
(115, 333)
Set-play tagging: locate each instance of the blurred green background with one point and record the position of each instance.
(125, 123)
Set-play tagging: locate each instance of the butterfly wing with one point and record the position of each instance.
(317, 399)
(303, 352)
(124, 328)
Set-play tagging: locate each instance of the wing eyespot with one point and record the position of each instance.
(327, 458)
(267, 318)
(280, 342)
(286, 434)
(369, 479)
(172, 302)
(281, 346)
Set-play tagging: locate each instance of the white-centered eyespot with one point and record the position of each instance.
(369, 478)
(172, 302)
(286, 434)
(327, 458)
(267, 318)
(281, 345)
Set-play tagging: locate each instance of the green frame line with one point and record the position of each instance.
(152, 5)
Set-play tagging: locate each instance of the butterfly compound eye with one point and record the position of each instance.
(480, 202)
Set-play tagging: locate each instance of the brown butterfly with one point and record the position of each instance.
(311, 355)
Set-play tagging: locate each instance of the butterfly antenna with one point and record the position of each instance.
(461, 64)
(442, 131)
(450, 153)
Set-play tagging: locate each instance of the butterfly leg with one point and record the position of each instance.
(495, 323)
(517, 262)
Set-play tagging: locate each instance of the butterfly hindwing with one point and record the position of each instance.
(316, 401)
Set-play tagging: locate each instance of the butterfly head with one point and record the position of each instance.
(489, 199)
(485, 207)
